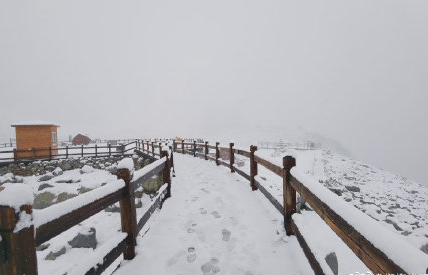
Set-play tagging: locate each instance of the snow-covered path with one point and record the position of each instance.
(215, 224)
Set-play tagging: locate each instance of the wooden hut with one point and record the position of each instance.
(36, 139)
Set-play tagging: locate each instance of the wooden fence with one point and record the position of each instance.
(17, 247)
(68, 152)
(365, 247)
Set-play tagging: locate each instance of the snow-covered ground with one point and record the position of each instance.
(396, 202)
(213, 224)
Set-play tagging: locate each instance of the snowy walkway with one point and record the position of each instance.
(215, 224)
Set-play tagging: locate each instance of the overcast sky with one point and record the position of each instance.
(352, 71)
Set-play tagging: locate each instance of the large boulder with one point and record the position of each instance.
(64, 196)
(43, 200)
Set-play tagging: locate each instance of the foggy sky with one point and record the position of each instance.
(352, 71)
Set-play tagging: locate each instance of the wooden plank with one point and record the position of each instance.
(371, 256)
(136, 182)
(278, 206)
(242, 153)
(128, 215)
(270, 166)
(109, 258)
(316, 267)
(150, 211)
(53, 228)
(19, 250)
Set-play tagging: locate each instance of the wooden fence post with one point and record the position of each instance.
(96, 150)
(253, 168)
(128, 216)
(66, 152)
(82, 150)
(166, 174)
(217, 153)
(182, 147)
(153, 148)
(232, 157)
(194, 148)
(15, 155)
(50, 152)
(206, 150)
(160, 149)
(109, 149)
(18, 248)
(289, 193)
(174, 146)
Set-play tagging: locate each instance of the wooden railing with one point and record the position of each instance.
(351, 225)
(68, 152)
(17, 245)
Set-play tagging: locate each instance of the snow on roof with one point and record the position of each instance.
(34, 123)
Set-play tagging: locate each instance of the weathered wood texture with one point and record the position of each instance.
(289, 193)
(19, 247)
(53, 228)
(128, 216)
(371, 256)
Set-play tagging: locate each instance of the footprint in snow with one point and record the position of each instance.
(216, 214)
(226, 235)
(204, 190)
(174, 259)
(191, 255)
(211, 267)
(203, 211)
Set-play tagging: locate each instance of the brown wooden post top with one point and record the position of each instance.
(18, 247)
(194, 148)
(153, 148)
(128, 216)
(253, 168)
(231, 157)
(289, 193)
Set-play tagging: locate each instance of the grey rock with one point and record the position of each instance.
(44, 186)
(64, 196)
(336, 191)
(64, 181)
(396, 226)
(113, 209)
(331, 260)
(43, 247)
(43, 200)
(45, 178)
(84, 190)
(88, 240)
(53, 255)
(352, 188)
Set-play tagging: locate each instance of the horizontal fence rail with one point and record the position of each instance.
(377, 256)
(51, 153)
(18, 256)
